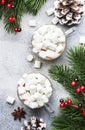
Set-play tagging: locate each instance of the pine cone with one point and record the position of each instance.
(68, 12)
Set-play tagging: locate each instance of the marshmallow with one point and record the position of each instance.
(49, 95)
(32, 23)
(55, 20)
(40, 103)
(50, 53)
(32, 89)
(21, 90)
(37, 95)
(39, 88)
(37, 64)
(38, 38)
(47, 91)
(50, 11)
(42, 30)
(26, 102)
(42, 54)
(82, 39)
(44, 99)
(30, 58)
(25, 96)
(29, 100)
(60, 48)
(41, 79)
(33, 105)
(61, 39)
(10, 100)
(50, 44)
(21, 82)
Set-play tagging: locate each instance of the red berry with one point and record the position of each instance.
(78, 90)
(79, 105)
(61, 101)
(82, 88)
(66, 103)
(9, 6)
(3, 2)
(16, 29)
(62, 105)
(19, 29)
(73, 83)
(11, 19)
(69, 102)
(83, 113)
(13, 6)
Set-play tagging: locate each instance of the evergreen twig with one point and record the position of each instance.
(71, 118)
(21, 7)
(34, 5)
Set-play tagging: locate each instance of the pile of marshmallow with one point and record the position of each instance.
(34, 124)
(49, 42)
(34, 90)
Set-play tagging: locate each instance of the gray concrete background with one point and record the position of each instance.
(14, 50)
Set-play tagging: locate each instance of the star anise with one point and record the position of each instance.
(18, 114)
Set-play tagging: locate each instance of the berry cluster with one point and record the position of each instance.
(70, 102)
(10, 5)
(65, 103)
(78, 89)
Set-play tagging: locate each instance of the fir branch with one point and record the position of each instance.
(65, 75)
(71, 118)
(34, 5)
(21, 7)
(76, 59)
(17, 13)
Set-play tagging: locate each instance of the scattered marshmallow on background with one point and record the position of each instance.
(10, 100)
(82, 40)
(55, 20)
(50, 11)
(30, 58)
(37, 64)
(32, 23)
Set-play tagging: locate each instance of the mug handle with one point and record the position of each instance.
(69, 31)
(49, 108)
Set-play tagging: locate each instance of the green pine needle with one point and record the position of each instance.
(75, 58)
(34, 5)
